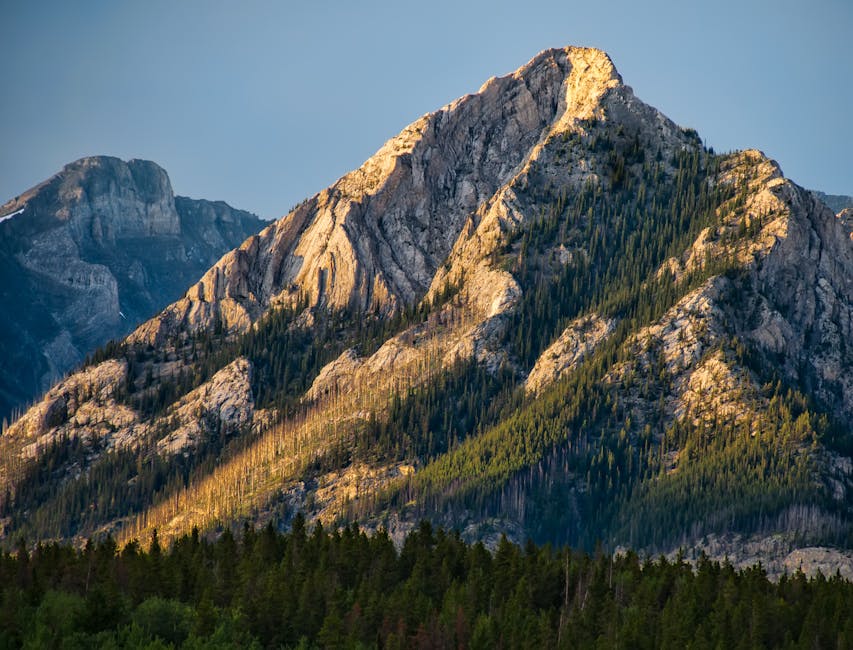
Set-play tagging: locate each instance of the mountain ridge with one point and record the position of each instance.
(357, 240)
(682, 316)
(99, 246)
(836, 202)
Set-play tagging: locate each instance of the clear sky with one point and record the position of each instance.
(264, 103)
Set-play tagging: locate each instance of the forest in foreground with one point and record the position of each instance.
(347, 589)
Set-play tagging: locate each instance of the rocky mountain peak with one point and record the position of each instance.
(621, 329)
(376, 239)
(91, 252)
(100, 199)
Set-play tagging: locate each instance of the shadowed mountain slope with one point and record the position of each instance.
(89, 254)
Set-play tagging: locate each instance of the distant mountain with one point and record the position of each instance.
(543, 310)
(836, 202)
(90, 253)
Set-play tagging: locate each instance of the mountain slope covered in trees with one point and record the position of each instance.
(544, 310)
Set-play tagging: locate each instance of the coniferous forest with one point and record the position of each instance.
(632, 342)
(482, 445)
(347, 589)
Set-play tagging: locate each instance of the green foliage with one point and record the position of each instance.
(164, 619)
(573, 467)
(346, 589)
(593, 458)
(47, 503)
(729, 475)
(615, 241)
(429, 420)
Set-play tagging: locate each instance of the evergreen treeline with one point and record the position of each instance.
(285, 358)
(616, 239)
(598, 456)
(573, 467)
(345, 589)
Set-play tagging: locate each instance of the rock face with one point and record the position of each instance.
(376, 238)
(220, 406)
(846, 219)
(85, 399)
(576, 342)
(671, 379)
(802, 289)
(775, 555)
(84, 408)
(835, 202)
(91, 252)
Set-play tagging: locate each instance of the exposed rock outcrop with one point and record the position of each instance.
(220, 406)
(84, 408)
(835, 202)
(800, 295)
(82, 404)
(777, 554)
(91, 252)
(580, 338)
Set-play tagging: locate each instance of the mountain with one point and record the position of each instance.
(842, 205)
(835, 202)
(543, 310)
(89, 254)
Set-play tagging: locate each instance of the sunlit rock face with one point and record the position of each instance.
(458, 205)
(375, 240)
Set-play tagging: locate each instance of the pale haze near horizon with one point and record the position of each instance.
(262, 104)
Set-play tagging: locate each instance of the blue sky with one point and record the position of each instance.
(264, 103)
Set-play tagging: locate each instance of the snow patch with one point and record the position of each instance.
(9, 216)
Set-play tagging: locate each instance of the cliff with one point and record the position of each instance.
(91, 252)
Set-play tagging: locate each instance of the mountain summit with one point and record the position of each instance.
(375, 239)
(90, 253)
(544, 310)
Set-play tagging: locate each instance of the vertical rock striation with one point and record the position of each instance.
(91, 252)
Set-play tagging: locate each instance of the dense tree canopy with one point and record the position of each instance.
(347, 589)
